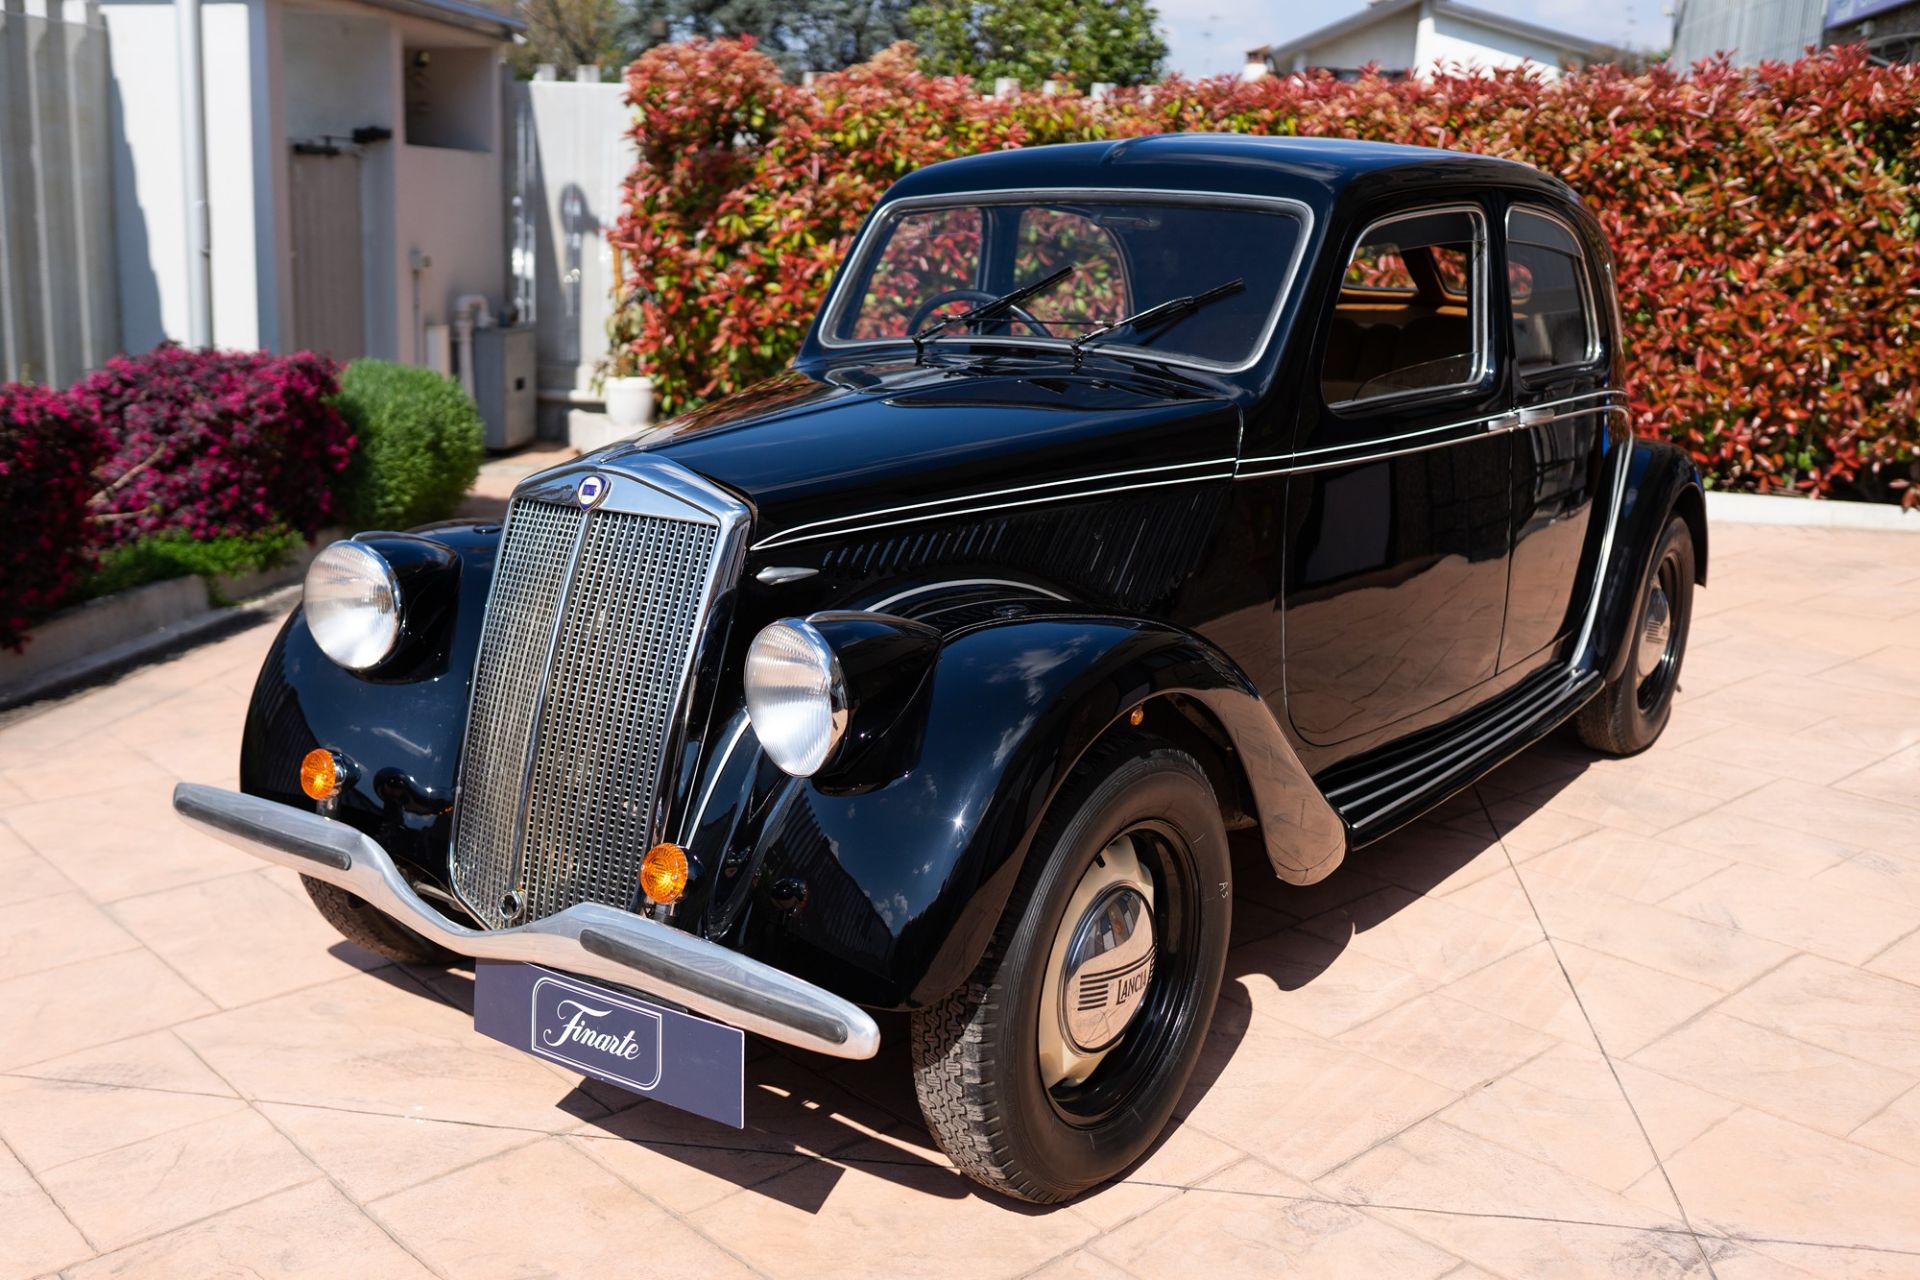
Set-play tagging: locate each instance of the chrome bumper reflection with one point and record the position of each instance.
(589, 938)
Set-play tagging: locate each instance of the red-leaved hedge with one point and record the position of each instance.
(47, 459)
(1764, 220)
(215, 442)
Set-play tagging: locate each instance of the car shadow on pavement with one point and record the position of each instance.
(811, 1118)
(1290, 936)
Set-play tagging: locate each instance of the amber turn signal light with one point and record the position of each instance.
(321, 774)
(663, 873)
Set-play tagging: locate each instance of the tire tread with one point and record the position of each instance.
(952, 1041)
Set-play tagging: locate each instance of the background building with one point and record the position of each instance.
(1751, 31)
(1412, 37)
(353, 168)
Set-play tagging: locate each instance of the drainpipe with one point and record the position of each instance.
(193, 170)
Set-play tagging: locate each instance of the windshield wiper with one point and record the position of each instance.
(1159, 314)
(988, 310)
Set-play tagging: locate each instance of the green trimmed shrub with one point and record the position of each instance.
(418, 445)
(175, 553)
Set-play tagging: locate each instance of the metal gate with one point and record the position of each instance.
(329, 304)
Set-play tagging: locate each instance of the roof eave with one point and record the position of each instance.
(456, 13)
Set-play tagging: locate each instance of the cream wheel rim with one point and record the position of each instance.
(1099, 967)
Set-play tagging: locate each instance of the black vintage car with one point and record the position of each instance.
(1129, 505)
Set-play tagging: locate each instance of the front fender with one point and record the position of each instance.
(890, 894)
(400, 729)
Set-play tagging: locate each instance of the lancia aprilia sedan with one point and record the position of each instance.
(1129, 506)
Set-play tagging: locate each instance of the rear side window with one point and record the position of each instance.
(1553, 321)
(1412, 311)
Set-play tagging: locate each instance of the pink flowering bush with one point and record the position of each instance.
(215, 443)
(47, 457)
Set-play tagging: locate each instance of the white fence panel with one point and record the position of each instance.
(58, 300)
(571, 184)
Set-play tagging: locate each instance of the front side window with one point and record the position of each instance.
(929, 253)
(1412, 308)
(921, 264)
(1553, 322)
(1096, 292)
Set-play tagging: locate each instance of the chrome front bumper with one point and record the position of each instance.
(589, 939)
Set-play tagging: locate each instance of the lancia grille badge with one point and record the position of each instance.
(590, 491)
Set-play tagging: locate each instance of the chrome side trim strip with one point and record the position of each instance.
(1428, 431)
(713, 778)
(788, 538)
(910, 592)
(1582, 643)
(788, 535)
(1480, 747)
(1397, 777)
(1497, 424)
(589, 938)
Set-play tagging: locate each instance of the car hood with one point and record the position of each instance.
(829, 445)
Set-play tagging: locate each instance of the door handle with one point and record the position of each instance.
(1521, 419)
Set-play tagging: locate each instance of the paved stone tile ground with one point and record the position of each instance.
(1646, 1017)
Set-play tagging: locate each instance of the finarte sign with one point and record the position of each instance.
(616, 1036)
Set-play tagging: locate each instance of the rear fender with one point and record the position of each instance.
(1661, 481)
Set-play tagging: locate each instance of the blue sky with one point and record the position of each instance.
(1208, 37)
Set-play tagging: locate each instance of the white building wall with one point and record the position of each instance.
(274, 76)
(1448, 41)
(448, 205)
(150, 216)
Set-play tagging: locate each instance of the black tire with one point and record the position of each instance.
(975, 1054)
(373, 929)
(1628, 715)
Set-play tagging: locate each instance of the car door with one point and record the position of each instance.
(1395, 586)
(1558, 428)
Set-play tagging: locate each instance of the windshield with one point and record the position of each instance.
(926, 263)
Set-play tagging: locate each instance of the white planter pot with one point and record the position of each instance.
(629, 403)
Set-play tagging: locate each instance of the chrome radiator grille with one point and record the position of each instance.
(585, 648)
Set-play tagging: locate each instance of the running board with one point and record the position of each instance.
(1380, 791)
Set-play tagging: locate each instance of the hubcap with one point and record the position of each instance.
(1099, 968)
(1656, 628)
(1108, 964)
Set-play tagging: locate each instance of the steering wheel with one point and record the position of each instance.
(924, 312)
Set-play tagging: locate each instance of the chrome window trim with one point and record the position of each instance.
(838, 297)
(1482, 317)
(1589, 310)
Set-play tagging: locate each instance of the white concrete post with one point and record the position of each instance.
(193, 167)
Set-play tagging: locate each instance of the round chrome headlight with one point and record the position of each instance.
(352, 601)
(796, 697)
